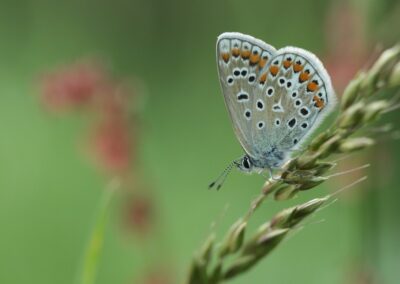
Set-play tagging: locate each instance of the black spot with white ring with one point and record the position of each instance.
(294, 94)
(281, 81)
(270, 91)
(230, 80)
(277, 122)
(297, 103)
(247, 114)
(252, 78)
(260, 124)
(304, 125)
(260, 105)
(304, 111)
(236, 72)
(242, 97)
(244, 72)
(291, 123)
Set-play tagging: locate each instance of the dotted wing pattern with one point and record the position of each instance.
(241, 59)
(274, 98)
(298, 93)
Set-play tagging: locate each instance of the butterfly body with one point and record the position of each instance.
(275, 98)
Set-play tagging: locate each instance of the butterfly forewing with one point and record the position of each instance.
(241, 60)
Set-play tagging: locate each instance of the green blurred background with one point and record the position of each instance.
(49, 191)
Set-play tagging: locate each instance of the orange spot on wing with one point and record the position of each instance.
(287, 64)
(225, 57)
(319, 103)
(263, 78)
(297, 68)
(245, 54)
(312, 86)
(303, 77)
(274, 70)
(235, 52)
(262, 62)
(254, 58)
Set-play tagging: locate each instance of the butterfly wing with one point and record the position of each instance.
(241, 60)
(298, 94)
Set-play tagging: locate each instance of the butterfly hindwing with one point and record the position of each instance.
(298, 94)
(241, 60)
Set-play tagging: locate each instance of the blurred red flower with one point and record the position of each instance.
(112, 145)
(115, 135)
(88, 84)
(73, 86)
(139, 214)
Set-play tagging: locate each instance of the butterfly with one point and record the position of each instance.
(275, 99)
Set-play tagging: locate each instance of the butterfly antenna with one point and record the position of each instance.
(219, 181)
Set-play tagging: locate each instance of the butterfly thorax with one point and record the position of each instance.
(272, 158)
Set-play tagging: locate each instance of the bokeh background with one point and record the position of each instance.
(165, 134)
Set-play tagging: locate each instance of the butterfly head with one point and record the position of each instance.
(244, 164)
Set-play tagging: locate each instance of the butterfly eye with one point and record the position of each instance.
(246, 163)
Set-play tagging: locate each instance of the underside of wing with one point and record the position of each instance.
(298, 94)
(241, 61)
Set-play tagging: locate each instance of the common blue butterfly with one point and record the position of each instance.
(275, 99)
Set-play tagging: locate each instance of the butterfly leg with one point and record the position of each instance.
(271, 174)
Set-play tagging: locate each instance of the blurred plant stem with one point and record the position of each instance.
(361, 105)
(94, 247)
